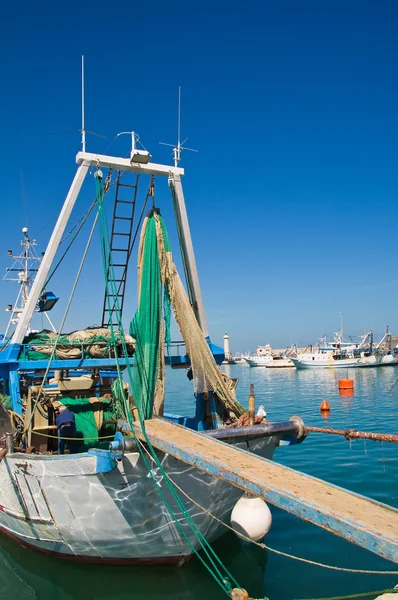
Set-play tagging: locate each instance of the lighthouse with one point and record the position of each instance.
(226, 347)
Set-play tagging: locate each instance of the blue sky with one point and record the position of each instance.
(292, 197)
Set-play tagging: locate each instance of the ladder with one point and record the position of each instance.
(119, 251)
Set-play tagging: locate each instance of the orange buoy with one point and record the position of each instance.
(346, 384)
(325, 406)
(346, 392)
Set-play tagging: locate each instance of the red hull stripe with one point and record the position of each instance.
(177, 561)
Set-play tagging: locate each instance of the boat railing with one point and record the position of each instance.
(178, 348)
(26, 349)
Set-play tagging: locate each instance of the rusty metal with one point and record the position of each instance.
(252, 405)
(351, 434)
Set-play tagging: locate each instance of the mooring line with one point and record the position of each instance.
(265, 547)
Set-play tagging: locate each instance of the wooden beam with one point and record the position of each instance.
(360, 520)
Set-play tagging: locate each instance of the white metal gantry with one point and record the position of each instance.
(139, 162)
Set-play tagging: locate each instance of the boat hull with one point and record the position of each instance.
(92, 508)
(360, 362)
(269, 363)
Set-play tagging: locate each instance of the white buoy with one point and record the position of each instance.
(251, 517)
(261, 412)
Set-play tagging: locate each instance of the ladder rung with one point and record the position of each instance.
(127, 185)
(124, 201)
(119, 265)
(126, 234)
(119, 249)
(122, 218)
(116, 295)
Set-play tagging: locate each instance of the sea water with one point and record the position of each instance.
(368, 468)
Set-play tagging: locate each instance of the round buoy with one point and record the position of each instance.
(325, 406)
(346, 392)
(251, 517)
(346, 384)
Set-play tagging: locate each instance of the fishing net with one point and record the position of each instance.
(147, 326)
(156, 268)
(90, 414)
(94, 342)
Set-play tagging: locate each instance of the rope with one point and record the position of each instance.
(14, 418)
(83, 221)
(265, 547)
(27, 426)
(360, 595)
(71, 439)
(353, 433)
(224, 581)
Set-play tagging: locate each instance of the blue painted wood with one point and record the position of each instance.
(358, 519)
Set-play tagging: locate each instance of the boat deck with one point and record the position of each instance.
(358, 519)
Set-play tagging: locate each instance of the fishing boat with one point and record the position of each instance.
(264, 357)
(239, 359)
(343, 354)
(113, 498)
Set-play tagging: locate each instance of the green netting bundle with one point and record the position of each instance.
(6, 401)
(85, 410)
(147, 325)
(93, 342)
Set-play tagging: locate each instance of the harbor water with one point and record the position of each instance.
(368, 468)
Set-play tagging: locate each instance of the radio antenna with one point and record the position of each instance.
(83, 129)
(83, 123)
(177, 149)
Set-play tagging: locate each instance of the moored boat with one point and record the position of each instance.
(113, 499)
(341, 354)
(264, 357)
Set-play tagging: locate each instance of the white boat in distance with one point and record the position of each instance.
(265, 358)
(341, 354)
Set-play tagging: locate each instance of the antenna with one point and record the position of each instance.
(179, 120)
(341, 326)
(83, 124)
(177, 149)
(83, 129)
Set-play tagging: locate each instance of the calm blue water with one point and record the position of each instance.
(369, 468)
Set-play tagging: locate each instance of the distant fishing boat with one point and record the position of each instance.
(264, 357)
(343, 354)
(239, 359)
(112, 498)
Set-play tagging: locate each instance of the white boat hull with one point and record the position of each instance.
(65, 506)
(329, 362)
(269, 363)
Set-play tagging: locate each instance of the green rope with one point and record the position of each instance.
(68, 247)
(361, 595)
(222, 579)
(108, 271)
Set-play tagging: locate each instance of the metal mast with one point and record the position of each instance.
(341, 336)
(23, 270)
